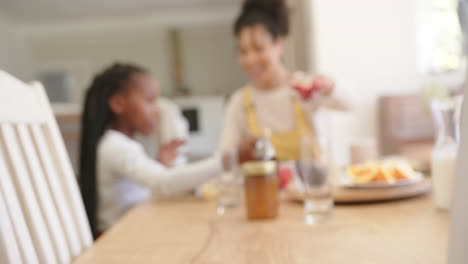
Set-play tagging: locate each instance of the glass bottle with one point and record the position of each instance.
(446, 115)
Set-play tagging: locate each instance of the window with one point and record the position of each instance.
(448, 38)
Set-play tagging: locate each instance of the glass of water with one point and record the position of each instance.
(229, 184)
(315, 174)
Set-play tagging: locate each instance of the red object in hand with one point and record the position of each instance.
(307, 92)
(285, 176)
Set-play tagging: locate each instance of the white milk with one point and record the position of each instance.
(443, 172)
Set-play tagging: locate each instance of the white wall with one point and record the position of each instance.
(83, 49)
(86, 52)
(210, 58)
(13, 54)
(370, 48)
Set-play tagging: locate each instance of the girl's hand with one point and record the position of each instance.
(168, 153)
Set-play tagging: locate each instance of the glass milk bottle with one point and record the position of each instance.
(446, 115)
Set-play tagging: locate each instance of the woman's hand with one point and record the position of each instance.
(244, 152)
(308, 87)
(246, 149)
(168, 152)
(324, 84)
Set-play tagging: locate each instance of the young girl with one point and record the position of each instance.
(115, 172)
(275, 99)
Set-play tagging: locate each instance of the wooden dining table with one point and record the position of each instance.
(188, 230)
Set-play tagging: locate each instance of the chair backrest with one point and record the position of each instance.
(7, 237)
(406, 128)
(38, 189)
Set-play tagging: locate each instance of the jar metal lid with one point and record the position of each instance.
(259, 168)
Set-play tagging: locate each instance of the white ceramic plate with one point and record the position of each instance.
(346, 181)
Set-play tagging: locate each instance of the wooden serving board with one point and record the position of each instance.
(343, 195)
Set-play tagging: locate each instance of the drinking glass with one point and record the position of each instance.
(315, 175)
(229, 183)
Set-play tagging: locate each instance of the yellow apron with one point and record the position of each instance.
(287, 144)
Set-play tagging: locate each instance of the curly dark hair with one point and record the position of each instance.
(273, 14)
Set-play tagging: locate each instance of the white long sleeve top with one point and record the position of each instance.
(127, 176)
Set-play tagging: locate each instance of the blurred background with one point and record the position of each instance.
(388, 53)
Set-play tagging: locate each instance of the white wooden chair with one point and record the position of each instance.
(42, 217)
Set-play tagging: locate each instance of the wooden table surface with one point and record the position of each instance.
(189, 231)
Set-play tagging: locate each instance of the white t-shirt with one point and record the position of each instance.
(274, 110)
(127, 176)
